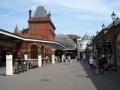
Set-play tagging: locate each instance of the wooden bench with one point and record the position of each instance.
(20, 68)
(24, 67)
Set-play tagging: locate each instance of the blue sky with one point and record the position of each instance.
(69, 16)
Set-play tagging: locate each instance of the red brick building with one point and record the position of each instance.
(41, 24)
(40, 27)
(37, 39)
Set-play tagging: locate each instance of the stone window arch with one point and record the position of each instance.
(34, 52)
(42, 50)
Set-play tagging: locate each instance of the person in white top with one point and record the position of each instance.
(91, 63)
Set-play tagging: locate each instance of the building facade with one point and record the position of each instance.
(107, 42)
(40, 27)
(37, 39)
(82, 47)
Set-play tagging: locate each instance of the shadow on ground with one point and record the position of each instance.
(110, 80)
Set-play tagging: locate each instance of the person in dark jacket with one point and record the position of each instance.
(101, 64)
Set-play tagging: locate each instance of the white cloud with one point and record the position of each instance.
(64, 12)
(96, 6)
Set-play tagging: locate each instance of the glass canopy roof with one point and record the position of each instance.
(66, 41)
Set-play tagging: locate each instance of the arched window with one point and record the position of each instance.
(42, 49)
(34, 52)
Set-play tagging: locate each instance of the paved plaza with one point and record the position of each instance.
(61, 76)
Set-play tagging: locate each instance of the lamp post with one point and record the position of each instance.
(103, 27)
(113, 15)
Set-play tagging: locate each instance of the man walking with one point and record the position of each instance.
(91, 63)
(101, 64)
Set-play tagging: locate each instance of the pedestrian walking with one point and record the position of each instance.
(91, 63)
(46, 59)
(101, 64)
(95, 66)
(106, 64)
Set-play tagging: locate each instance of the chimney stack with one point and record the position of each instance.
(30, 13)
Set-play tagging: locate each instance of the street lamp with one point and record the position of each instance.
(103, 27)
(113, 15)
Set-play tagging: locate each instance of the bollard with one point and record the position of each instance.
(39, 61)
(9, 65)
(63, 57)
(53, 59)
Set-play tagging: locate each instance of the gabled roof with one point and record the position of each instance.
(41, 15)
(40, 12)
(86, 37)
(16, 30)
